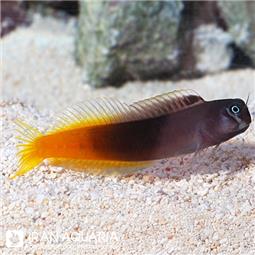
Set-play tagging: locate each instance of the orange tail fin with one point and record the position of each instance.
(28, 158)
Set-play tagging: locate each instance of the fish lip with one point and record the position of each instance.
(243, 126)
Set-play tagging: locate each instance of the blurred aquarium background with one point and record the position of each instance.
(64, 50)
(115, 42)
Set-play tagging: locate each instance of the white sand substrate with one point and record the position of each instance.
(185, 205)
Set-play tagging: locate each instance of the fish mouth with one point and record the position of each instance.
(243, 126)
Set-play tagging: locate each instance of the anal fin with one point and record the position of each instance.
(100, 167)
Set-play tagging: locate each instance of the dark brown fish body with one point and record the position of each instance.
(109, 134)
(182, 132)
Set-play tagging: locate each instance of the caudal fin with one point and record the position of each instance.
(28, 154)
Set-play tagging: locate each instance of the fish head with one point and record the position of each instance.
(233, 117)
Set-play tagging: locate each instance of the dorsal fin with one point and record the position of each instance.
(167, 103)
(91, 113)
(105, 111)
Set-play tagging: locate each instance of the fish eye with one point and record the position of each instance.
(235, 109)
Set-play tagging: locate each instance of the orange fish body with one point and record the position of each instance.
(112, 135)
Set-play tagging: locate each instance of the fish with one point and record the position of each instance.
(107, 136)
